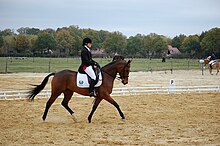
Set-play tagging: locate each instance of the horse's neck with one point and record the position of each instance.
(206, 61)
(111, 68)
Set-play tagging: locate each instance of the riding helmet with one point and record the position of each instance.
(86, 41)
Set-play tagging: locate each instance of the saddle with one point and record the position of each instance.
(214, 62)
(83, 80)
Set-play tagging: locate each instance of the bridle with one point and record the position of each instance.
(123, 73)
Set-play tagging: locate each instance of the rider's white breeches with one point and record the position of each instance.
(212, 62)
(90, 72)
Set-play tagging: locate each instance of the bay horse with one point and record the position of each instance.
(65, 82)
(214, 66)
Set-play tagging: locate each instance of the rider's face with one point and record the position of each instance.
(89, 45)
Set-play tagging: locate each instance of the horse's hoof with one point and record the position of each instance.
(74, 118)
(43, 118)
(89, 120)
(123, 117)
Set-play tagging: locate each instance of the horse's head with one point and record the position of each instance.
(121, 67)
(207, 60)
(123, 70)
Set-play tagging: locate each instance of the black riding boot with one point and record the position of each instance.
(92, 89)
(210, 66)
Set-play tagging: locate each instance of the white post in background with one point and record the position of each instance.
(172, 86)
(201, 61)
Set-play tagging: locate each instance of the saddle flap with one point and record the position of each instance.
(212, 62)
(83, 82)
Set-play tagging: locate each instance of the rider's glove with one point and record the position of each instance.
(96, 64)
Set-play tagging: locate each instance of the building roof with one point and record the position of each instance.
(98, 52)
(173, 50)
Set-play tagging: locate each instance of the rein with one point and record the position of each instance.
(115, 77)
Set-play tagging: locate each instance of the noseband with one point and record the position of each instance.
(123, 74)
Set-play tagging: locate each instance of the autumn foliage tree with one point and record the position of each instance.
(44, 43)
(67, 41)
(211, 41)
(22, 44)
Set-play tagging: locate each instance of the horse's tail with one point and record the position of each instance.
(39, 88)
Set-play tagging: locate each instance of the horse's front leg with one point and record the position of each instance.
(95, 105)
(210, 71)
(110, 100)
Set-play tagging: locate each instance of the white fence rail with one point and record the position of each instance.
(22, 94)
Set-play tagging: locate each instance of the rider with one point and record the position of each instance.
(87, 64)
(212, 59)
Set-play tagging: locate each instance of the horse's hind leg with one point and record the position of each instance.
(53, 97)
(67, 96)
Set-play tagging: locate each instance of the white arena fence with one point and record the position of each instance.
(127, 91)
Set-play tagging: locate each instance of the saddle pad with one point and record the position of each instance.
(82, 80)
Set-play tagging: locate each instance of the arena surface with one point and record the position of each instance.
(151, 119)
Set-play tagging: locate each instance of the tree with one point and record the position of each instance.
(22, 44)
(102, 36)
(32, 41)
(191, 46)
(115, 43)
(50, 31)
(32, 31)
(154, 45)
(28, 31)
(147, 45)
(45, 42)
(7, 32)
(1, 41)
(94, 35)
(159, 45)
(64, 41)
(1, 44)
(9, 44)
(22, 30)
(211, 42)
(135, 46)
(202, 35)
(178, 40)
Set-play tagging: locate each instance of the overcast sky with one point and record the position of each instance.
(130, 17)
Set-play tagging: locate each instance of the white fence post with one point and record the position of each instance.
(128, 91)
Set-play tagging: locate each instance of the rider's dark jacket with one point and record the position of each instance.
(213, 57)
(86, 59)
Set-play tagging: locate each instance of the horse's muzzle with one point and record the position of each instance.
(124, 82)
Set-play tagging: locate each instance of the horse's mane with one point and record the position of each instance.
(113, 62)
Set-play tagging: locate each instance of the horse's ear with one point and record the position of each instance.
(118, 58)
(129, 61)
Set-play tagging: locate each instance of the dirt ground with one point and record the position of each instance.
(152, 119)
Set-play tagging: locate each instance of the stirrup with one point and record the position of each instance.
(93, 93)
